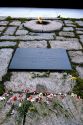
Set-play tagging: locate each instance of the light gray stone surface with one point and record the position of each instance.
(70, 34)
(15, 23)
(68, 21)
(71, 25)
(40, 36)
(69, 45)
(45, 36)
(37, 44)
(7, 43)
(80, 23)
(79, 29)
(61, 38)
(68, 29)
(4, 23)
(76, 56)
(81, 41)
(79, 32)
(6, 37)
(54, 83)
(21, 32)
(10, 31)
(81, 36)
(80, 71)
(2, 28)
(50, 27)
(5, 56)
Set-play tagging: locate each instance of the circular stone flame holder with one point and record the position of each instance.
(45, 26)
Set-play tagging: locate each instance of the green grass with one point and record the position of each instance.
(78, 88)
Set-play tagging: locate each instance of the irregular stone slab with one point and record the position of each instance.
(10, 31)
(70, 34)
(2, 28)
(76, 56)
(71, 25)
(81, 36)
(79, 29)
(21, 32)
(80, 71)
(5, 37)
(69, 45)
(68, 21)
(80, 23)
(46, 36)
(68, 29)
(21, 27)
(37, 44)
(79, 32)
(7, 43)
(54, 82)
(66, 39)
(81, 40)
(40, 34)
(15, 23)
(49, 27)
(5, 56)
(4, 23)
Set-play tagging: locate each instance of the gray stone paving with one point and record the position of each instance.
(21, 32)
(69, 34)
(37, 44)
(10, 31)
(68, 29)
(79, 29)
(61, 38)
(54, 82)
(69, 45)
(80, 23)
(7, 43)
(4, 23)
(15, 23)
(79, 32)
(2, 28)
(81, 41)
(80, 71)
(81, 36)
(71, 25)
(68, 21)
(5, 56)
(76, 56)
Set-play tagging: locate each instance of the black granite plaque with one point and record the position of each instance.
(37, 59)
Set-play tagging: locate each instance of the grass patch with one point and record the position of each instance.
(9, 18)
(4, 79)
(78, 88)
(1, 89)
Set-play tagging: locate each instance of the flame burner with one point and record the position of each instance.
(41, 25)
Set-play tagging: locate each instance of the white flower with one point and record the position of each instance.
(2, 98)
(20, 104)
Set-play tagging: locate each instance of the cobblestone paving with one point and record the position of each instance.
(70, 37)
